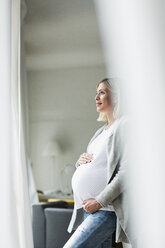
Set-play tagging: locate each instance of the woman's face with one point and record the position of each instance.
(102, 98)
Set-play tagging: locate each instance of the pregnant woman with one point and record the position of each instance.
(98, 180)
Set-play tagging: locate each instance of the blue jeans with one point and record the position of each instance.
(95, 231)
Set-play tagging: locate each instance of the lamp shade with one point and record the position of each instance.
(52, 149)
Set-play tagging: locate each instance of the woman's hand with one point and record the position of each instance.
(85, 158)
(91, 205)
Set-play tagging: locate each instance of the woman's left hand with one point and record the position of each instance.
(91, 205)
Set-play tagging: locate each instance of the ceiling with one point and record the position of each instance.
(61, 34)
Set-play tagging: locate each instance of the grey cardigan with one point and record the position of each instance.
(114, 192)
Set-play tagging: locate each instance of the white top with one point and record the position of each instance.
(90, 179)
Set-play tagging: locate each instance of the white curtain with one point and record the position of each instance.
(133, 38)
(15, 211)
(25, 113)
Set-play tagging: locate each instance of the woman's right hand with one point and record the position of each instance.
(85, 158)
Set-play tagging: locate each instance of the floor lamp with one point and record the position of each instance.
(52, 151)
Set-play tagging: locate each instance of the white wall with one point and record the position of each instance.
(62, 107)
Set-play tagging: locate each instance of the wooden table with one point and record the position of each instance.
(69, 201)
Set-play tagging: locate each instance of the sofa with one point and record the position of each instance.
(50, 222)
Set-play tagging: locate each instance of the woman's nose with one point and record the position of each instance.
(97, 97)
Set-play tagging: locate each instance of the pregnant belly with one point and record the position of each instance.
(88, 181)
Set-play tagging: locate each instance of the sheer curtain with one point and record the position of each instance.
(15, 211)
(25, 113)
(133, 37)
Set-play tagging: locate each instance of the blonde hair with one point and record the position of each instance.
(115, 97)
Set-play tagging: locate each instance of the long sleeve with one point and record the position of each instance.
(118, 184)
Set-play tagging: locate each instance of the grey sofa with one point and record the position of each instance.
(50, 222)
